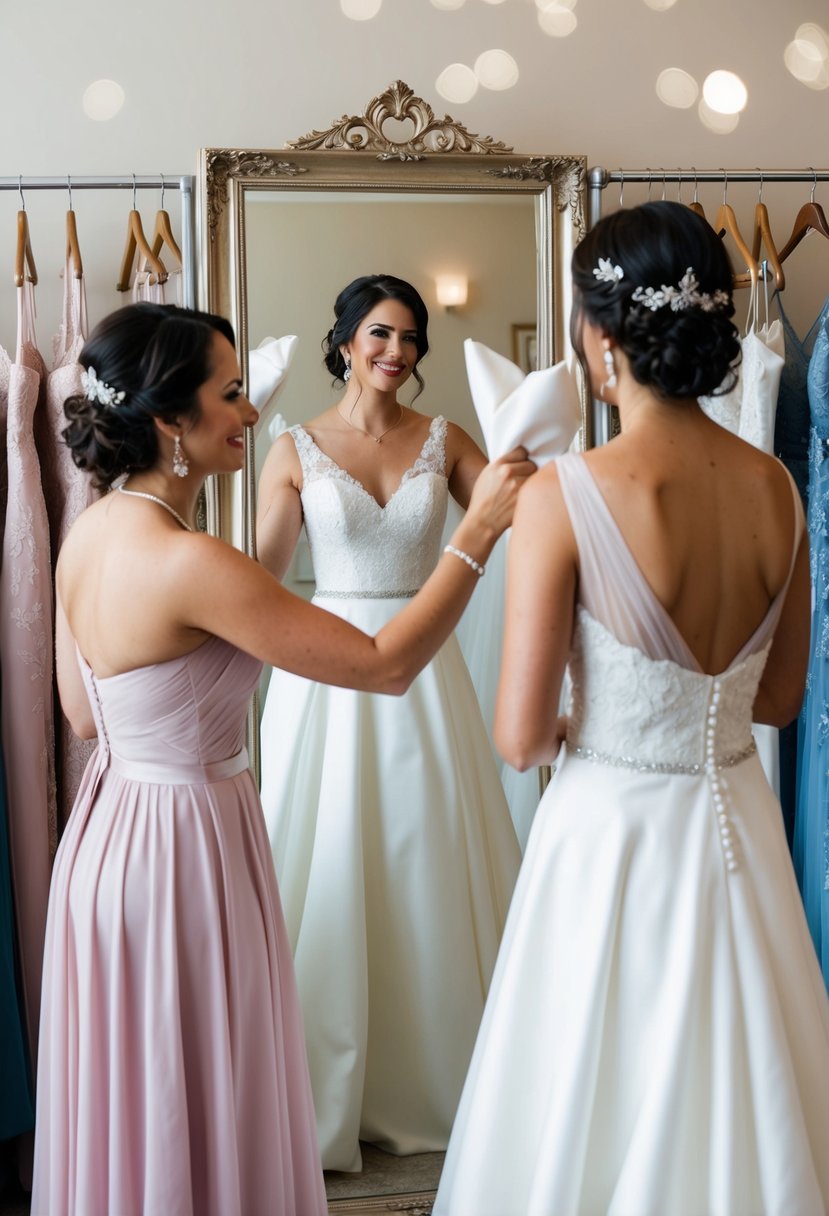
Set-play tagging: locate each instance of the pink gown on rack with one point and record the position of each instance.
(656, 1038)
(68, 492)
(173, 1079)
(26, 663)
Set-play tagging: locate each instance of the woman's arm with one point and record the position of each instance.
(73, 698)
(279, 507)
(464, 460)
(542, 568)
(780, 693)
(214, 588)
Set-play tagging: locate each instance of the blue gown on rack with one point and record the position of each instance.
(16, 1110)
(811, 830)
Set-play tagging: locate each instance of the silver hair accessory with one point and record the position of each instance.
(686, 295)
(606, 272)
(98, 390)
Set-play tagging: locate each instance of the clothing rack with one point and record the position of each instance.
(184, 183)
(599, 179)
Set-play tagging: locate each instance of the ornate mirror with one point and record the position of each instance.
(400, 191)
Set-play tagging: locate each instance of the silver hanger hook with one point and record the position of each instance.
(760, 191)
(679, 186)
(664, 187)
(161, 175)
(20, 191)
(621, 188)
(696, 184)
(134, 207)
(69, 188)
(814, 184)
(650, 181)
(724, 186)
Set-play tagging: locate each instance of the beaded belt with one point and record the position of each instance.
(365, 595)
(648, 766)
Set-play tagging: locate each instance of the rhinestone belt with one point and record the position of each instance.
(647, 766)
(366, 595)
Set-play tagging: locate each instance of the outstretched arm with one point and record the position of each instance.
(279, 508)
(541, 589)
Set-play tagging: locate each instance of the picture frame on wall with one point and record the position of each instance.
(525, 347)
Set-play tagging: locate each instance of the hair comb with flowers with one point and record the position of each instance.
(685, 295)
(99, 390)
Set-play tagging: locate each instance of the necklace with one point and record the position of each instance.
(376, 438)
(161, 503)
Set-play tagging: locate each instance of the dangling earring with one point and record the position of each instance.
(610, 369)
(180, 466)
(347, 372)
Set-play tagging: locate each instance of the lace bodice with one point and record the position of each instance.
(639, 697)
(359, 547)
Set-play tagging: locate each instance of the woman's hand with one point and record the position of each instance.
(496, 490)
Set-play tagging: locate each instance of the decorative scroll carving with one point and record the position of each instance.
(364, 133)
(224, 162)
(566, 173)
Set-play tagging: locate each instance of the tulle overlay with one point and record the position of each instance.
(656, 1039)
(172, 1070)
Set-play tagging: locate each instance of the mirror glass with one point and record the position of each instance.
(284, 231)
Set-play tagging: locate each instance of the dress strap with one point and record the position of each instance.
(432, 458)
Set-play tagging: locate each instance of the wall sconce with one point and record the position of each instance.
(452, 290)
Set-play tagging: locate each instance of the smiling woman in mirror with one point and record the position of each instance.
(390, 833)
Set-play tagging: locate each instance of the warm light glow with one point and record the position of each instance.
(448, 3)
(660, 5)
(493, 1)
(361, 10)
(715, 120)
(807, 57)
(543, 5)
(556, 18)
(724, 92)
(676, 88)
(103, 99)
(457, 83)
(496, 70)
(451, 290)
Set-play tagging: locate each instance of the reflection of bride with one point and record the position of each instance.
(391, 836)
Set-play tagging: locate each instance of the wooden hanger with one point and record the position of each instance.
(73, 245)
(163, 232)
(137, 243)
(726, 224)
(810, 217)
(695, 204)
(763, 239)
(24, 262)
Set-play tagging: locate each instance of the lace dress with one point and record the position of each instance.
(656, 1039)
(392, 840)
(811, 827)
(172, 1078)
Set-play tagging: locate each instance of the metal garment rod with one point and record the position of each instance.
(184, 183)
(599, 178)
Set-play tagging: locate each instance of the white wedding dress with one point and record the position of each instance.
(656, 1039)
(390, 833)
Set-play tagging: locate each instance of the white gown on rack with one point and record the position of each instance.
(656, 1039)
(392, 840)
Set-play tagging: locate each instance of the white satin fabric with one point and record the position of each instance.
(656, 1039)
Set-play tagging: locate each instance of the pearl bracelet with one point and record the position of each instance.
(470, 561)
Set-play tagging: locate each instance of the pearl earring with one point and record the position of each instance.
(610, 369)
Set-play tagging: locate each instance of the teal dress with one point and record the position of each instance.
(811, 828)
(16, 1107)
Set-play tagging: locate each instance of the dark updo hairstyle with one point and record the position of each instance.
(686, 353)
(158, 356)
(357, 300)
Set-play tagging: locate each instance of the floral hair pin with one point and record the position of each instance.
(685, 295)
(606, 272)
(99, 390)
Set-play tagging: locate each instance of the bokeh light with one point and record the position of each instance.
(660, 5)
(715, 120)
(807, 56)
(677, 88)
(457, 83)
(724, 92)
(556, 18)
(103, 99)
(361, 10)
(448, 4)
(496, 70)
